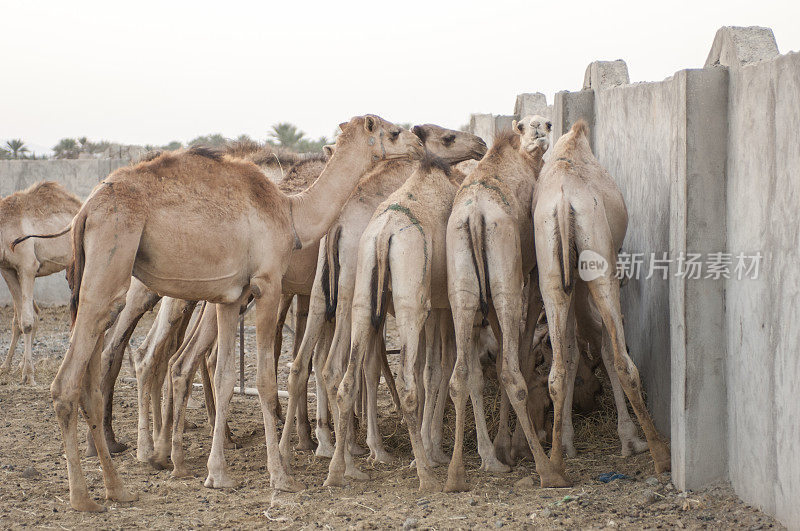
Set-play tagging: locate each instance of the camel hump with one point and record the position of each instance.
(581, 128)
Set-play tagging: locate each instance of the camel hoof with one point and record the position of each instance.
(438, 458)
(87, 506)
(495, 466)
(114, 447)
(219, 481)
(354, 472)
(504, 454)
(554, 480)
(121, 494)
(633, 446)
(230, 444)
(180, 472)
(334, 479)
(357, 450)
(324, 450)
(287, 483)
(305, 445)
(159, 462)
(456, 479)
(143, 454)
(570, 450)
(380, 456)
(429, 486)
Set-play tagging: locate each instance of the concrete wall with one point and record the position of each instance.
(78, 176)
(633, 139)
(708, 161)
(762, 317)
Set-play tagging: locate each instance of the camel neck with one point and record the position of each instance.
(317, 207)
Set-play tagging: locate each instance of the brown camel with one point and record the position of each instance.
(199, 226)
(42, 208)
(487, 265)
(403, 246)
(578, 209)
(332, 292)
(293, 178)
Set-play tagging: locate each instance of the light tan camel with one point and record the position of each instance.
(403, 246)
(332, 292)
(487, 265)
(294, 178)
(198, 344)
(579, 208)
(199, 226)
(42, 208)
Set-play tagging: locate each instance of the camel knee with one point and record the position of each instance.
(409, 399)
(516, 389)
(458, 380)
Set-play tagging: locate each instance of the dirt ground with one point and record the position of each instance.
(34, 492)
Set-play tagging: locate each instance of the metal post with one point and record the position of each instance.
(241, 354)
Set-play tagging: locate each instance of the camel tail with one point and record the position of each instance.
(75, 268)
(330, 273)
(565, 239)
(476, 228)
(380, 278)
(23, 238)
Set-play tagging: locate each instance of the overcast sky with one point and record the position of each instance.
(151, 72)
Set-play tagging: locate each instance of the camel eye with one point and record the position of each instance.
(393, 135)
(449, 139)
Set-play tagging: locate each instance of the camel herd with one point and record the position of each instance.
(458, 242)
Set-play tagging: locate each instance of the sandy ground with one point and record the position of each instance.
(33, 486)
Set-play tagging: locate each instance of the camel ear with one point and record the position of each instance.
(342, 126)
(328, 150)
(517, 126)
(549, 126)
(370, 124)
(420, 132)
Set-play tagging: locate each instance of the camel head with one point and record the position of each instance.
(534, 131)
(449, 145)
(383, 139)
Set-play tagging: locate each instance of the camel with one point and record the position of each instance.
(300, 172)
(41, 208)
(332, 292)
(486, 268)
(580, 209)
(199, 226)
(198, 344)
(403, 245)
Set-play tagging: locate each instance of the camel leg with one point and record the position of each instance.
(142, 362)
(28, 323)
(323, 423)
(138, 301)
(224, 380)
(626, 429)
(571, 361)
(464, 304)
(192, 353)
(410, 318)
(283, 310)
(605, 293)
(342, 463)
(12, 281)
(448, 360)
(211, 368)
(303, 424)
(266, 315)
(299, 374)
(431, 380)
(377, 452)
(502, 441)
(489, 460)
(92, 404)
(98, 306)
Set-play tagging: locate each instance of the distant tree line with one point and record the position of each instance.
(284, 134)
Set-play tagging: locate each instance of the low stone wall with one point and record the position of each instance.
(79, 176)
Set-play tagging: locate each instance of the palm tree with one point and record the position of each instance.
(287, 135)
(17, 147)
(214, 140)
(67, 148)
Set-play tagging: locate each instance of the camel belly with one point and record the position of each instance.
(210, 265)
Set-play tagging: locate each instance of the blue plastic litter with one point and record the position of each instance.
(608, 477)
